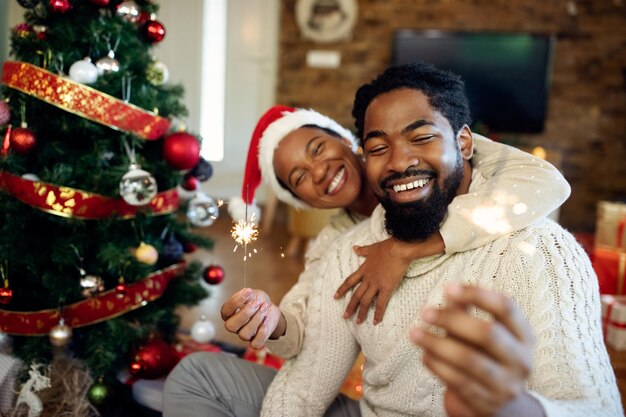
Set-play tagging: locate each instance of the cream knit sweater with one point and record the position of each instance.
(541, 267)
(511, 174)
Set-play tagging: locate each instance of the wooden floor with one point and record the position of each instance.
(268, 269)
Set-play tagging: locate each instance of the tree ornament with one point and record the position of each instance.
(6, 141)
(84, 71)
(90, 284)
(202, 210)
(40, 31)
(22, 139)
(146, 254)
(189, 247)
(61, 334)
(202, 170)
(129, 11)
(108, 64)
(172, 251)
(98, 393)
(5, 113)
(60, 6)
(28, 4)
(100, 3)
(23, 30)
(137, 186)
(203, 330)
(31, 177)
(154, 31)
(6, 294)
(144, 17)
(120, 288)
(190, 183)
(153, 360)
(213, 274)
(157, 73)
(181, 150)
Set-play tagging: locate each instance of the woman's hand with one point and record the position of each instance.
(381, 273)
(251, 315)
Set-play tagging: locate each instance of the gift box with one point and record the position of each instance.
(614, 320)
(609, 253)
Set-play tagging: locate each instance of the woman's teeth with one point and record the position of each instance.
(335, 182)
(409, 186)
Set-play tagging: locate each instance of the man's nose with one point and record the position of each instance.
(402, 157)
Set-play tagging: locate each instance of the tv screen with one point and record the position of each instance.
(507, 75)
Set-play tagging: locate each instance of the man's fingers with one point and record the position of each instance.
(364, 304)
(235, 302)
(355, 300)
(240, 318)
(361, 250)
(350, 282)
(500, 306)
(491, 337)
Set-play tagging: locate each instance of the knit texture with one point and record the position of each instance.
(542, 268)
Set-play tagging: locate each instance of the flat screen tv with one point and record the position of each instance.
(507, 75)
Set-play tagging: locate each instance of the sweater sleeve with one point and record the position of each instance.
(572, 374)
(307, 384)
(519, 190)
(294, 303)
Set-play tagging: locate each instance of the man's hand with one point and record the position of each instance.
(482, 363)
(253, 317)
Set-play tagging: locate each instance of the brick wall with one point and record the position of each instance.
(587, 105)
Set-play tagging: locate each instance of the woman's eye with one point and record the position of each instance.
(318, 149)
(299, 179)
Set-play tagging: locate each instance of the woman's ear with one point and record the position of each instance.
(466, 142)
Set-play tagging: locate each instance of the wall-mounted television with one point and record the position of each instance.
(507, 75)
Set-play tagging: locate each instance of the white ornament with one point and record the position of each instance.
(61, 334)
(202, 210)
(31, 177)
(129, 11)
(158, 73)
(27, 396)
(84, 71)
(137, 186)
(203, 330)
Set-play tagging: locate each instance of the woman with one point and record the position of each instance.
(311, 161)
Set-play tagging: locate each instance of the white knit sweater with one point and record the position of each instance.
(541, 267)
(509, 173)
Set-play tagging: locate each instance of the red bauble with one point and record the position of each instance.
(181, 150)
(191, 183)
(154, 31)
(153, 360)
(100, 3)
(213, 274)
(120, 290)
(189, 247)
(5, 113)
(144, 17)
(60, 6)
(6, 295)
(22, 140)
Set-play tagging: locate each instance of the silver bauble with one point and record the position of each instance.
(31, 177)
(61, 334)
(202, 210)
(91, 285)
(203, 330)
(84, 71)
(129, 11)
(137, 186)
(108, 64)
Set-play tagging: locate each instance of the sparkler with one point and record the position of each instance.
(244, 232)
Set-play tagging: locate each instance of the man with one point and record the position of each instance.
(511, 328)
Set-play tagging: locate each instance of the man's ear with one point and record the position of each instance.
(466, 142)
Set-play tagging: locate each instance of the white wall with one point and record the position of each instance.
(251, 72)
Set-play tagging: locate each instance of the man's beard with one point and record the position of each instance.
(417, 220)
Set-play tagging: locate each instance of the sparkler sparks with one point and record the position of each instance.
(244, 232)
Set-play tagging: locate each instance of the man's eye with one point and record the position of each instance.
(422, 138)
(376, 150)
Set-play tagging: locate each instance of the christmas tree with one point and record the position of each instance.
(91, 168)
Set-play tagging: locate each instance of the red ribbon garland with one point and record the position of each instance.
(70, 202)
(104, 306)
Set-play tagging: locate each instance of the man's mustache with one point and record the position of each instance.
(409, 172)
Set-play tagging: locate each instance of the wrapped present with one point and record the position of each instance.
(609, 253)
(614, 321)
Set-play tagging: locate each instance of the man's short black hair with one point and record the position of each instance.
(444, 89)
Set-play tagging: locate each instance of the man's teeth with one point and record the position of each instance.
(335, 182)
(411, 185)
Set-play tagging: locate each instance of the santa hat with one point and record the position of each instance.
(271, 128)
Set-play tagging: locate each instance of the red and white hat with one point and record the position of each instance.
(272, 127)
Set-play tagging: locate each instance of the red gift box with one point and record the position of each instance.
(609, 263)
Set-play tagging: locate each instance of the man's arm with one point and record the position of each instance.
(308, 383)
